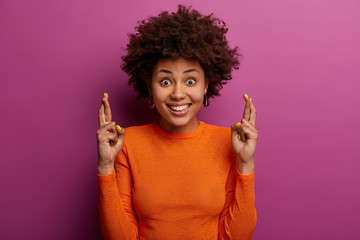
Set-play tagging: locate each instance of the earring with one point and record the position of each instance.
(205, 102)
(151, 103)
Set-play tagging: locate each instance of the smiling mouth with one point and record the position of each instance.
(178, 108)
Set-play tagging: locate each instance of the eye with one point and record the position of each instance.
(165, 82)
(190, 81)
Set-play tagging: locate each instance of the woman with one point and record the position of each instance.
(177, 178)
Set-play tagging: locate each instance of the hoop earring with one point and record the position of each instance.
(151, 103)
(205, 102)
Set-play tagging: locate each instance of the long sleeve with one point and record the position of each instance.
(238, 218)
(177, 186)
(118, 219)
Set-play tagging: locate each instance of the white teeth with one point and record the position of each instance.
(179, 108)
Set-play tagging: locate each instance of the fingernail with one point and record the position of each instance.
(239, 137)
(246, 95)
(103, 99)
(104, 95)
(118, 127)
(250, 100)
(237, 124)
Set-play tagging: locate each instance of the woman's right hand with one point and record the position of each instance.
(110, 138)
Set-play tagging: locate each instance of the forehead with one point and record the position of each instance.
(177, 64)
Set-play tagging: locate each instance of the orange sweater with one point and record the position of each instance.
(177, 186)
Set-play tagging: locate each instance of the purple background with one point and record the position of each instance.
(300, 66)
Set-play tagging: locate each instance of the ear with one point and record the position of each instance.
(206, 87)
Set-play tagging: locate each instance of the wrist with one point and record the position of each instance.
(105, 169)
(246, 168)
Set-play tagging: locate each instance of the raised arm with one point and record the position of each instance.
(117, 217)
(238, 219)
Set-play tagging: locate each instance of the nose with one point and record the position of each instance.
(178, 92)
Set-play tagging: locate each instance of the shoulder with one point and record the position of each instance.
(136, 132)
(218, 130)
(137, 129)
(138, 138)
(218, 139)
(217, 133)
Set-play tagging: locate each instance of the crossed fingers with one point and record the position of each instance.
(249, 118)
(249, 110)
(105, 111)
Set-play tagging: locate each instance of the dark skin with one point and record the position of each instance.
(244, 138)
(110, 138)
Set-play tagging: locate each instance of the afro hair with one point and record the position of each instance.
(187, 34)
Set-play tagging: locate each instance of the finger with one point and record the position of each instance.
(120, 137)
(107, 108)
(107, 127)
(249, 130)
(246, 113)
(252, 113)
(108, 137)
(250, 133)
(246, 97)
(108, 133)
(246, 123)
(101, 115)
(242, 135)
(237, 130)
(114, 140)
(120, 131)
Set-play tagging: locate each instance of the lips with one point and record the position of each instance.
(179, 109)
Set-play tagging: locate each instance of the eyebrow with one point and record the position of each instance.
(169, 72)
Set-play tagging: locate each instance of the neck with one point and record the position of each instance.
(170, 128)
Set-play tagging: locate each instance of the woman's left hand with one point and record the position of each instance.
(244, 137)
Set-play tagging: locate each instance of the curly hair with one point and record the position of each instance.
(187, 34)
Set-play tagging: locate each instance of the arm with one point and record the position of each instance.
(238, 218)
(118, 219)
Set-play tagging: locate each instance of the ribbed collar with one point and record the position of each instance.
(179, 135)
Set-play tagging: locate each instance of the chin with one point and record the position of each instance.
(179, 122)
(176, 122)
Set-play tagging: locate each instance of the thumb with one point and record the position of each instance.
(235, 128)
(120, 136)
(237, 133)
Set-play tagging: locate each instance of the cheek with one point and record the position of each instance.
(197, 96)
(159, 96)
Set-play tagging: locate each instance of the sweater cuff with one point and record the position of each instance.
(245, 176)
(105, 178)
